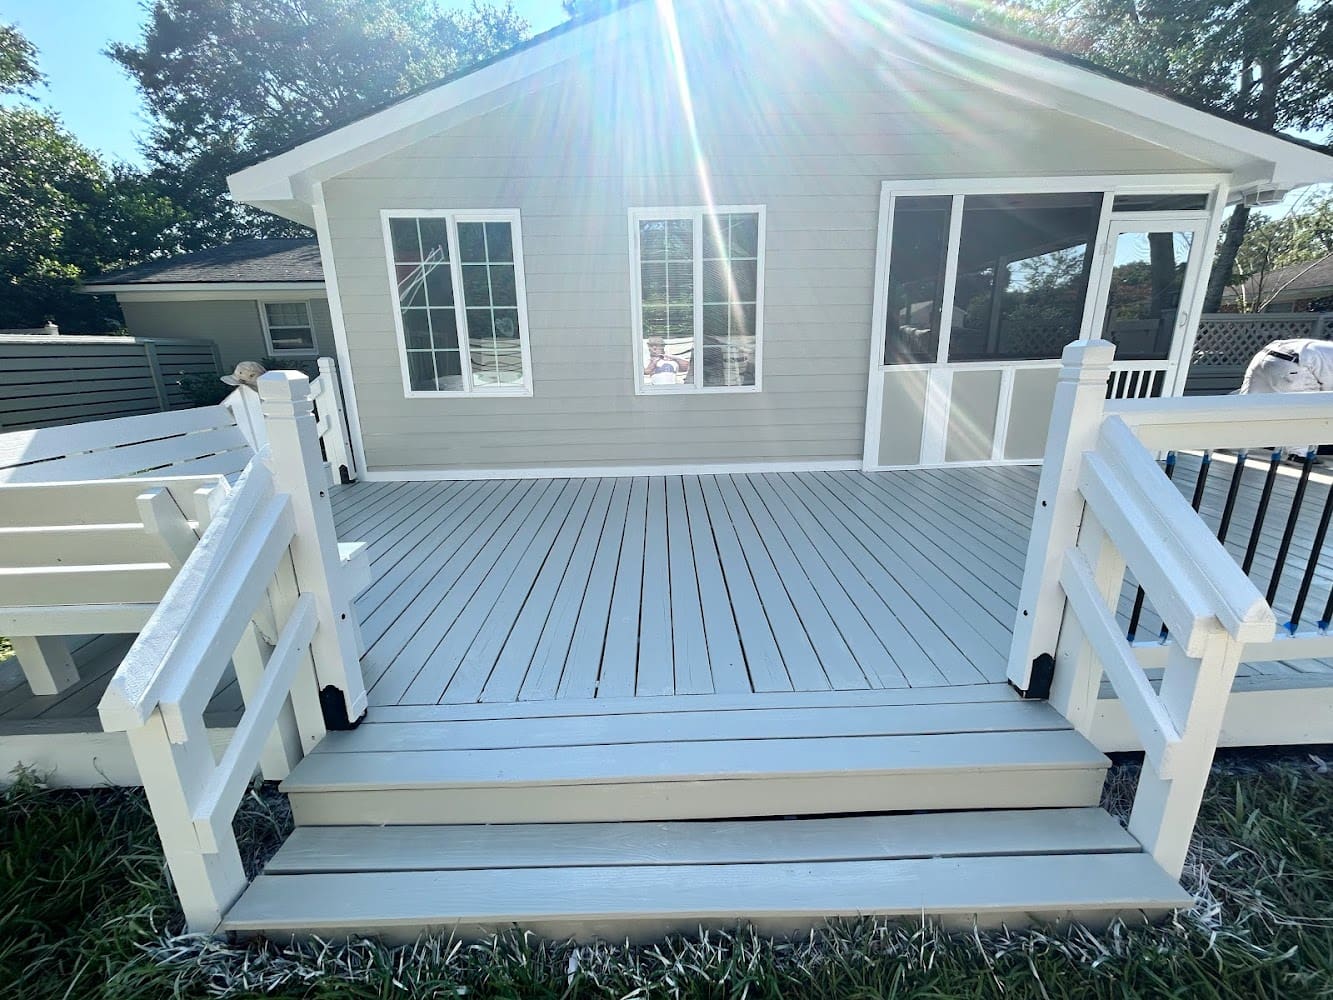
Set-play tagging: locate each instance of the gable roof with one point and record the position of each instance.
(261, 261)
(285, 181)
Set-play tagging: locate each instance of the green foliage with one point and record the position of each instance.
(1303, 235)
(65, 216)
(86, 911)
(18, 61)
(228, 82)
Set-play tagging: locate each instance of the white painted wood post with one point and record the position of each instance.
(282, 750)
(336, 445)
(46, 662)
(298, 470)
(1194, 693)
(1080, 399)
(207, 883)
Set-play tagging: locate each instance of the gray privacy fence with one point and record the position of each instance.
(1227, 341)
(50, 380)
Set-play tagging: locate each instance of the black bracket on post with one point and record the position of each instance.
(334, 706)
(1039, 683)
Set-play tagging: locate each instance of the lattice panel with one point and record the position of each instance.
(1231, 341)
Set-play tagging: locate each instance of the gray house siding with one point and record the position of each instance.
(233, 324)
(574, 157)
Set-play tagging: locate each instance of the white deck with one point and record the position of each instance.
(540, 590)
(774, 590)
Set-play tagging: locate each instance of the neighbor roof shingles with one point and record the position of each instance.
(294, 260)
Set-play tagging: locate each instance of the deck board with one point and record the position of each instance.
(510, 591)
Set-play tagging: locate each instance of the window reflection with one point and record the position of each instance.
(919, 244)
(1023, 265)
(1144, 299)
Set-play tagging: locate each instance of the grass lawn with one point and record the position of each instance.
(86, 911)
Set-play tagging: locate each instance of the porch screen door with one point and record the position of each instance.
(1146, 269)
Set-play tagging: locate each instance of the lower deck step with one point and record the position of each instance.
(699, 765)
(642, 880)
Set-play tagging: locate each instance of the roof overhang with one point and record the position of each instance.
(195, 291)
(1259, 164)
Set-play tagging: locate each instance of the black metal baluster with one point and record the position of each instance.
(1274, 460)
(1312, 565)
(1205, 466)
(1170, 471)
(1298, 497)
(1230, 506)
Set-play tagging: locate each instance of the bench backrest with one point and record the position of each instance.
(204, 440)
(109, 542)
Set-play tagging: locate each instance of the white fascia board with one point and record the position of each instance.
(1121, 106)
(196, 291)
(290, 177)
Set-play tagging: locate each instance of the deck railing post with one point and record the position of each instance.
(1194, 693)
(298, 470)
(336, 444)
(1080, 400)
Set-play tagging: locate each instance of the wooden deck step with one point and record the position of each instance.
(645, 879)
(703, 765)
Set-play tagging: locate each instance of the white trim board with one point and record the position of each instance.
(605, 471)
(284, 182)
(192, 291)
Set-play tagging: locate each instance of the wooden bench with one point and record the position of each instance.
(90, 558)
(96, 518)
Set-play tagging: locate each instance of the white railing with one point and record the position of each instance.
(330, 421)
(1103, 507)
(1139, 379)
(263, 590)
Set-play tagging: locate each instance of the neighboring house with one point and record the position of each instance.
(254, 298)
(1299, 288)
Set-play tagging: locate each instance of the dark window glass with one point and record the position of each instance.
(1023, 264)
(918, 247)
(1159, 203)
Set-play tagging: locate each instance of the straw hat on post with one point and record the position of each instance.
(246, 373)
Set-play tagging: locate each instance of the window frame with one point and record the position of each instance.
(960, 188)
(273, 352)
(453, 217)
(696, 214)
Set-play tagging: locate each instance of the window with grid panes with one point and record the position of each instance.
(699, 299)
(287, 326)
(458, 284)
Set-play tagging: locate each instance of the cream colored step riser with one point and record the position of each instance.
(715, 799)
(646, 902)
(651, 930)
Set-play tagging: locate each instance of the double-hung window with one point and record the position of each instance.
(698, 299)
(459, 302)
(287, 328)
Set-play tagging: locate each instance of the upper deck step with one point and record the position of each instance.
(696, 765)
(644, 879)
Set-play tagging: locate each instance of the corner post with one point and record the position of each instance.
(336, 444)
(1076, 417)
(298, 470)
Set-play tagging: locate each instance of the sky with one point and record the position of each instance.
(93, 96)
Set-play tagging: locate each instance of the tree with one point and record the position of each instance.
(1293, 242)
(18, 61)
(1268, 63)
(64, 215)
(231, 81)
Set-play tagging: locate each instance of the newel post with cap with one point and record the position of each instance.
(1076, 419)
(298, 470)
